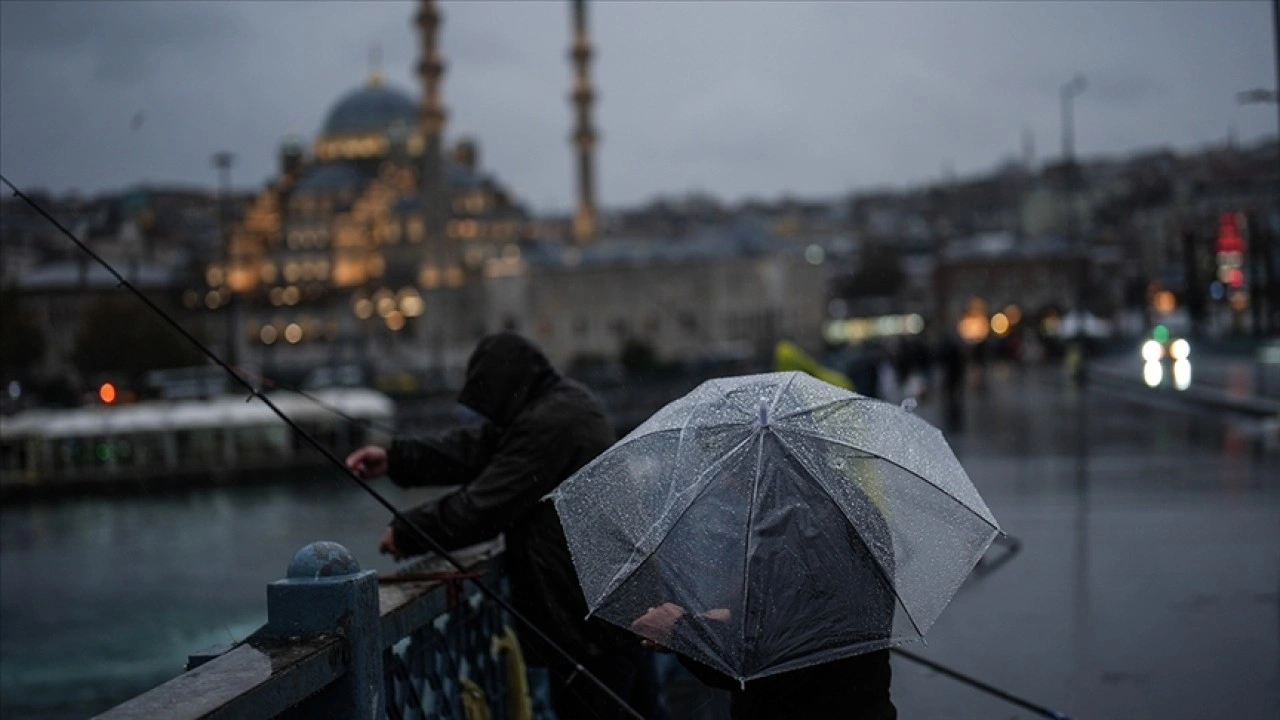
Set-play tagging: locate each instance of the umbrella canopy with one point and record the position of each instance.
(786, 521)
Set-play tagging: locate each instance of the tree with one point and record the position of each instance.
(119, 336)
(23, 341)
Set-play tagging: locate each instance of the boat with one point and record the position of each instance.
(159, 444)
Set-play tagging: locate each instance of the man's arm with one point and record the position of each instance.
(522, 470)
(455, 457)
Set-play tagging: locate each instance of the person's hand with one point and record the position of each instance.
(368, 462)
(718, 614)
(655, 625)
(387, 546)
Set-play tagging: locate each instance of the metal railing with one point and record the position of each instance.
(340, 642)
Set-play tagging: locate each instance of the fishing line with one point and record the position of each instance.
(272, 384)
(989, 689)
(416, 531)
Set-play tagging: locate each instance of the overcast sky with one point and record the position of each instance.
(750, 99)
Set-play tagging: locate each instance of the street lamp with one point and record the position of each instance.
(1070, 90)
(222, 161)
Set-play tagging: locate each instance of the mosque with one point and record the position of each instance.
(382, 247)
(343, 252)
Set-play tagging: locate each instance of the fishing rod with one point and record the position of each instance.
(989, 689)
(272, 384)
(416, 531)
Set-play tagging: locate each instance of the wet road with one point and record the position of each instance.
(1146, 585)
(1148, 581)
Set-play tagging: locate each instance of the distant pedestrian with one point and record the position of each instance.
(952, 356)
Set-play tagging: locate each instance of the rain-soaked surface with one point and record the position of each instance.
(1148, 579)
(1146, 584)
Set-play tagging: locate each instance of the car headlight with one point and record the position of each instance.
(1180, 349)
(1152, 351)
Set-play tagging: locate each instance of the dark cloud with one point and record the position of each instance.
(740, 99)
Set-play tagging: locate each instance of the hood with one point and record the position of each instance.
(505, 373)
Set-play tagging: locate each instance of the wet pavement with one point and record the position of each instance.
(1148, 579)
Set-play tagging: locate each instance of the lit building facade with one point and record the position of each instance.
(368, 249)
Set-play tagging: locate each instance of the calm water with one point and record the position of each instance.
(102, 599)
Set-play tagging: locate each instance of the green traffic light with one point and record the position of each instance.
(1160, 333)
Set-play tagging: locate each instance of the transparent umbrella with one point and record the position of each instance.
(778, 521)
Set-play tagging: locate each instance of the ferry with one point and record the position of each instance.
(174, 443)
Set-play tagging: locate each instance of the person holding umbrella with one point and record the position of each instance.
(539, 429)
(852, 688)
(780, 532)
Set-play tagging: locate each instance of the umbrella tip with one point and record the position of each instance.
(764, 412)
(909, 404)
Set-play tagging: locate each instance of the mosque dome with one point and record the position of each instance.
(372, 108)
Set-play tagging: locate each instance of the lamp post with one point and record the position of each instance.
(222, 161)
(1261, 243)
(1068, 93)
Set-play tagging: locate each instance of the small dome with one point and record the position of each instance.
(330, 178)
(373, 108)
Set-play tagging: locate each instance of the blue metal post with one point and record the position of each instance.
(326, 592)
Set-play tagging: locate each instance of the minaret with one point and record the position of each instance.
(584, 136)
(431, 120)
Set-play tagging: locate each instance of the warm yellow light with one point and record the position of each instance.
(973, 328)
(377, 265)
(267, 334)
(1164, 302)
(395, 321)
(212, 299)
(213, 276)
(267, 272)
(386, 306)
(1014, 313)
(291, 295)
(276, 296)
(293, 332)
(364, 308)
(999, 324)
(412, 306)
(292, 272)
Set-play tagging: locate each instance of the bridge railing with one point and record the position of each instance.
(340, 642)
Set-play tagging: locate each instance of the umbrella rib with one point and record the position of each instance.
(913, 473)
(821, 406)
(746, 548)
(874, 560)
(621, 577)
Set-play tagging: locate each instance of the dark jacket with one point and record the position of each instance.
(541, 429)
(855, 688)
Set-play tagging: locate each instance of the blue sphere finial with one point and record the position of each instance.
(322, 559)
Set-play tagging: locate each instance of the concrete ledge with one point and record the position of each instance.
(248, 681)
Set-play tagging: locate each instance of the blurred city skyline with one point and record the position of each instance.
(737, 99)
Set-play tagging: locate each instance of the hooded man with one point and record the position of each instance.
(540, 428)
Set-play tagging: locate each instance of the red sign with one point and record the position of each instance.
(1229, 240)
